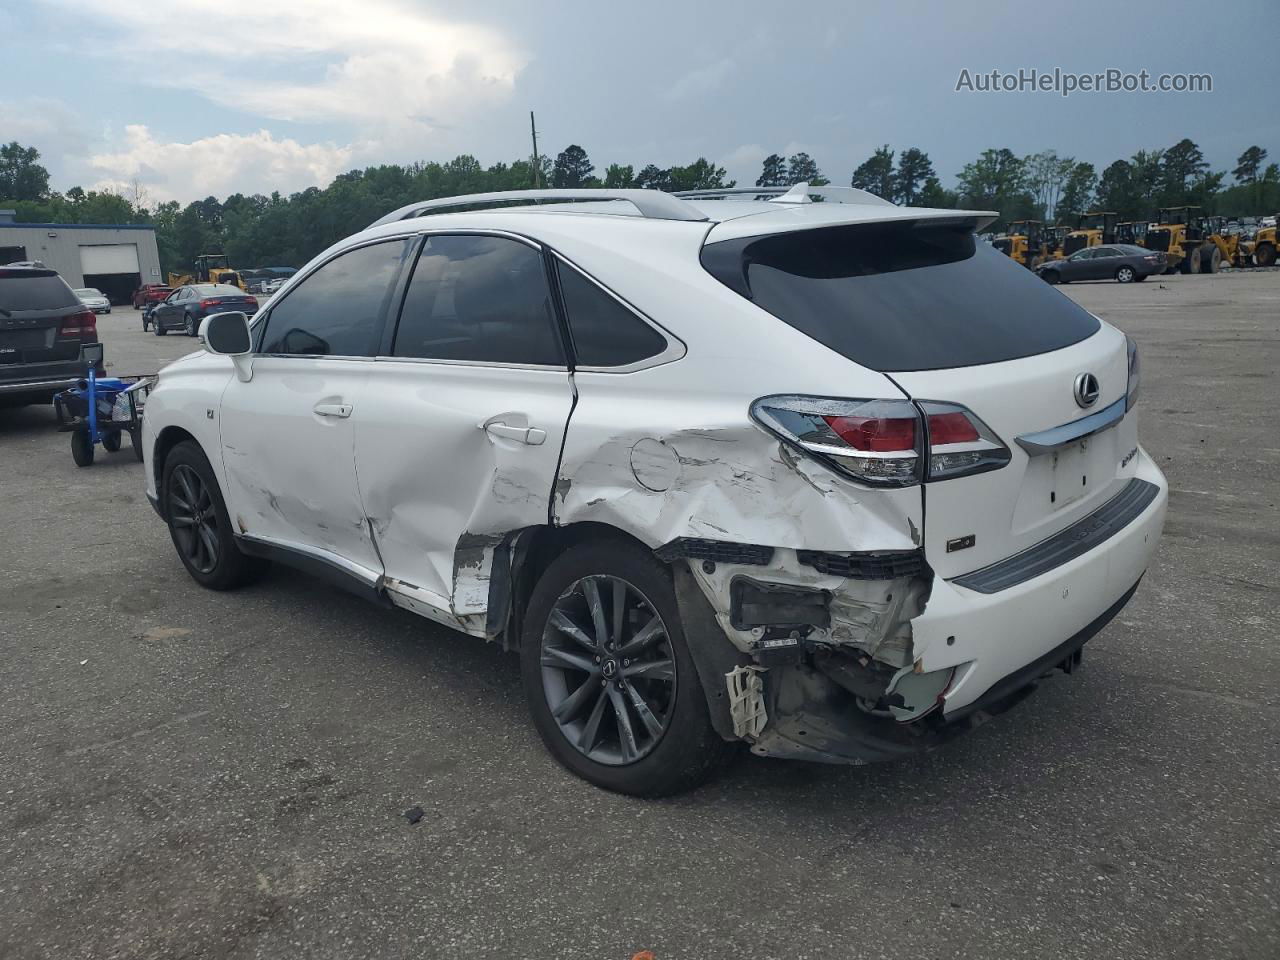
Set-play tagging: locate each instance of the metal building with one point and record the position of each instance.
(116, 258)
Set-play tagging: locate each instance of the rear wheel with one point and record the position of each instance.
(1265, 255)
(610, 682)
(1125, 275)
(188, 325)
(198, 522)
(159, 326)
(1191, 262)
(111, 441)
(1210, 259)
(1051, 277)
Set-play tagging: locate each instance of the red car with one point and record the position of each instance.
(150, 293)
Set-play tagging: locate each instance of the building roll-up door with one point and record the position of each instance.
(109, 258)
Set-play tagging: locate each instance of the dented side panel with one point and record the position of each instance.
(440, 490)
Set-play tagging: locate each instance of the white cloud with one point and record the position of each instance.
(702, 81)
(371, 64)
(218, 165)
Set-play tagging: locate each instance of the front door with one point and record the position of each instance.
(287, 434)
(460, 430)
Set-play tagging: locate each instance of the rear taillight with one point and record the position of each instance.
(79, 325)
(880, 441)
(253, 301)
(1131, 390)
(206, 304)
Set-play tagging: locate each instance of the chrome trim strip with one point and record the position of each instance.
(1047, 441)
(39, 384)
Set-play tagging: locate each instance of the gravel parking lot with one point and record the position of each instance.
(190, 774)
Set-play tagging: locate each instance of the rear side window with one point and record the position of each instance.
(901, 296)
(605, 333)
(337, 311)
(34, 290)
(477, 298)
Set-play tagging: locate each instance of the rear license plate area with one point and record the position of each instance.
(1080, 468)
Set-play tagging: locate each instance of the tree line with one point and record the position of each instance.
(277, 230)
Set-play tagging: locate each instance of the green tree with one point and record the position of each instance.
(802, 168)
(914, 171)
(773, 172)
(21, 175)
(1077, 193)
(1249, 165)
(699, 175)
(997, 181)
(618, 177)
(653, 177)
(876, 174)
(572, 167)
(1046, 176)
(1182, 165)
(1121, 189)
(934, 194)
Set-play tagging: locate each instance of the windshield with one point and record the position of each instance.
(901, 296)
(34, 290)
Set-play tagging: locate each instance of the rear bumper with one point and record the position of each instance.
(41, 377)
(994, 637)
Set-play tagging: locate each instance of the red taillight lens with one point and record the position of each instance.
(875, 434)
(252, 300)
(79, 325)
(206, 304)
(951, 428)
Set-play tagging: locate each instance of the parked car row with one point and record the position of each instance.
(184, 308)
(1122, 262)
(94, 299)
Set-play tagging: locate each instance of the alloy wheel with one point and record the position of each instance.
(194, 518)
(608, 670)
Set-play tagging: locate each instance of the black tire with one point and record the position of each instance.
(111, 441)
(1051, 277)
(202, 536)
(81, 448)
(1264, 255)
(1125, 275)
(687, 750)
(158, 327)
(145, 324)
(1210, 258)
(135, 441)
(188, 325)
(1191, 262)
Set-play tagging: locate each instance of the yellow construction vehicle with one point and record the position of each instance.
(1229, 247)
(1023, 243)
(1095, 228)
(1131, 231)
(1179, 234)
(1264, 246)
(1053, 237)
(208, 268)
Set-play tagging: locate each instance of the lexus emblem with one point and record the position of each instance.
(1087, 389)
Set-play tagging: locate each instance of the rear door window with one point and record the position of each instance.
(901, 296)
(339, 309)
(23, 290)
(605, 332)
(481, 299)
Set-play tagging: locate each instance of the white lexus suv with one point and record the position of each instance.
(831, 478)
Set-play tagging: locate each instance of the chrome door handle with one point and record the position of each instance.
(340, 410)
(530, 435)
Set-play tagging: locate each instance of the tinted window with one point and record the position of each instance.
(900, 296)
(34, 290)
(605, 333)
(478, 298)
(337, 310)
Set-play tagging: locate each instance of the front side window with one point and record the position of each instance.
(605, 333)
(478, 298)
(338, 310)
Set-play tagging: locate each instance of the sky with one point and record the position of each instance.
(192, 98)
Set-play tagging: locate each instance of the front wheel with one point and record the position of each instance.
(198, 522)
(82, 448)
(1125, 275)
(1265, 255)
(158, 325)
(610, 682)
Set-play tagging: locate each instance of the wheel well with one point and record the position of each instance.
(535, 549)
(169, 438)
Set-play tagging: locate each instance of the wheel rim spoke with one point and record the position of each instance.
(610, 686)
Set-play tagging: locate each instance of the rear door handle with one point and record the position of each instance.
(530, 435)
(340, 410)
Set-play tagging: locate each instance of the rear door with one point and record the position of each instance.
(459, 431)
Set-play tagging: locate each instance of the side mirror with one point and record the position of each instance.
(227, 334)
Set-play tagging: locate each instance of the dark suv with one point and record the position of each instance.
(43, 324)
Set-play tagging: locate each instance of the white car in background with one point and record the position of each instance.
(94, 299)
(832, 479)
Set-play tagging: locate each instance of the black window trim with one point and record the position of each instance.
(263, 318)
(675, 348)
(387, 342)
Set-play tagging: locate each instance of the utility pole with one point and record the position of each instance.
(537, 167)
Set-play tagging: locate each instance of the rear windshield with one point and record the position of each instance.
(34, 290)
(218, 290)
(901, 296)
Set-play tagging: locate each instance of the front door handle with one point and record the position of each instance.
(339, 410)
(530, 435)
